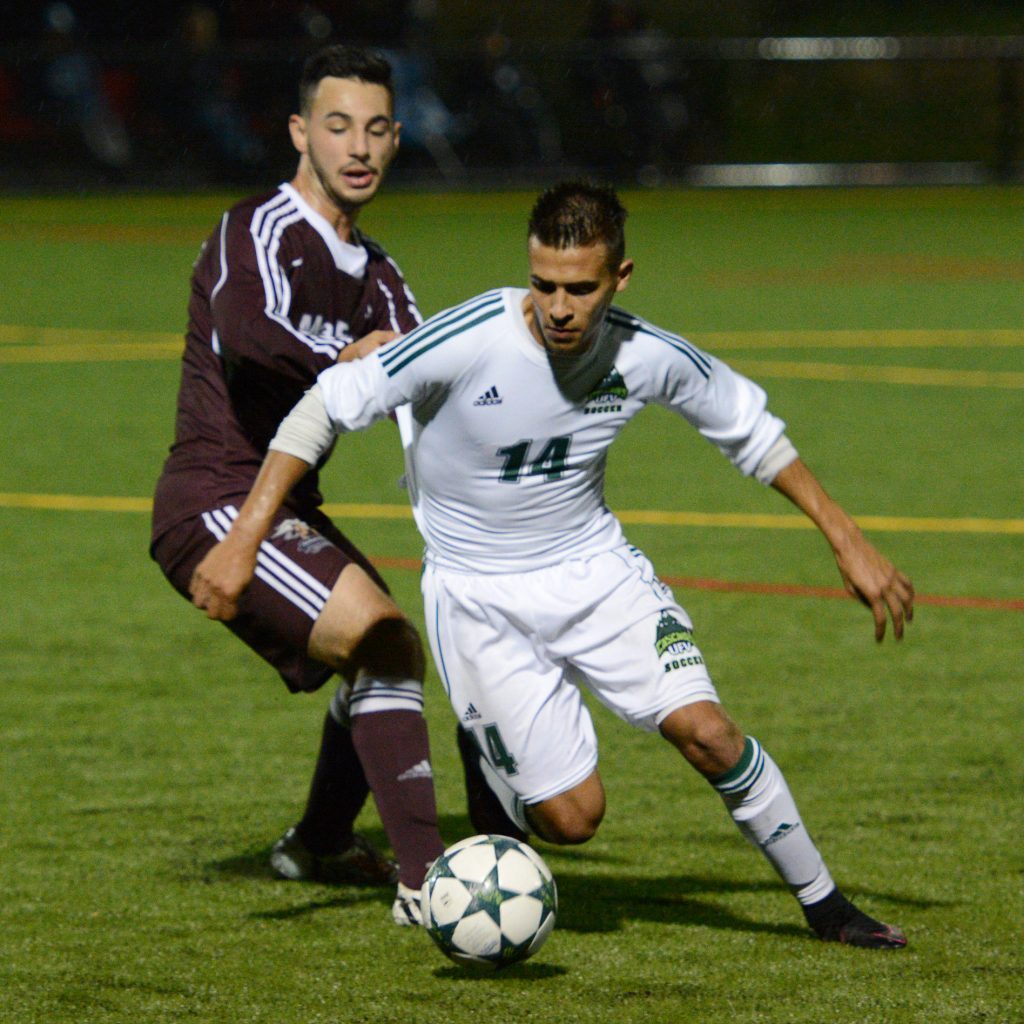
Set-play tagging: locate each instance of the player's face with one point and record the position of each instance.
(570, 292)
(347, 140)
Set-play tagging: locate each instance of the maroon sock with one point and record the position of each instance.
(395, 751)
(336, 794)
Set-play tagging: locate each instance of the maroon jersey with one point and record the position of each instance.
(276, 295)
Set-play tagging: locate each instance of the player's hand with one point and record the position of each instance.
(867, 574)
(870, 577)
(221, 578)
(366, 344)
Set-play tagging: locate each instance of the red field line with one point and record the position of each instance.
(831, 593)
(1000, 604)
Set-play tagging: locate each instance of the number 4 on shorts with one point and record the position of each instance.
(497, 752)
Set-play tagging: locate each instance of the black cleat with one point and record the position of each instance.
(359, 863)
(836, 919)
(486, 814)
(871, 934)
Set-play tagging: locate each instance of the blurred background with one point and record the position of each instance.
(114, 94)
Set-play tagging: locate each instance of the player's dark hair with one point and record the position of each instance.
(343, 61)
(577, 213)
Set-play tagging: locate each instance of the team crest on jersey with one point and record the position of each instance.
(608, 396)
(309, 541)
(672, 636)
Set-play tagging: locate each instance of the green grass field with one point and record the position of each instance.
(148, 761)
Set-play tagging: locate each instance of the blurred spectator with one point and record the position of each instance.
(640, 93)
(72, 83)
(506, 119)
(207, 89)
(427, 123)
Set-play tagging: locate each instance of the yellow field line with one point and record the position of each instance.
(916, 375)
(645, 517)
(25, 334)
(89, 353)
(355, 511)
(768, 521)
(25, 344)
(720, 340)
(75, 503)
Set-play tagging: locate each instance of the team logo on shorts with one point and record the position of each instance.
(309, 541)
(608, 396)
(672, 636)
(673, 641)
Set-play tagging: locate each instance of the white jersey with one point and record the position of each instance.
(507, 458)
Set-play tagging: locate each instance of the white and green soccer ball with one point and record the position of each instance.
(489, 901)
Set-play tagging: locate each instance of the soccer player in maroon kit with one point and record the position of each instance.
(281, 290)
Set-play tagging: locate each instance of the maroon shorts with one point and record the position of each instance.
(298, 565)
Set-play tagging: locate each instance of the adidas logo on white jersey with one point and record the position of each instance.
(471, 713)
(489, 397)
(417, 771)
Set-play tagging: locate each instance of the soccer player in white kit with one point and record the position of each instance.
(531, 590)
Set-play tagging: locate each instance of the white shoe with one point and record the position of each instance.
(405, 911)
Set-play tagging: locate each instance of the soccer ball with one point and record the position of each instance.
(489, 901)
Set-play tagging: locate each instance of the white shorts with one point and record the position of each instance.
(512, 649)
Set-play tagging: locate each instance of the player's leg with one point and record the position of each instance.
(275, 620)
(567, 818)
(638, 655)
(297, 572)
(754, 791)
(487, 816)
(526, 737)
(758, 798)
(363, 633)
(571, 817)
(322, 846)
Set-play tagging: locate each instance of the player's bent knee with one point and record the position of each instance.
(361, 627)
(390, 647)
(566, 828)
(570, 818)
(387, 645)
(706, 736)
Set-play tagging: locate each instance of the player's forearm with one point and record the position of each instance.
(802, 488)
(279, 473)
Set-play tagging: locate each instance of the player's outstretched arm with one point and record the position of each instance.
(221, 578)
(867, 574)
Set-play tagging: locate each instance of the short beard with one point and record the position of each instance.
(347, 206)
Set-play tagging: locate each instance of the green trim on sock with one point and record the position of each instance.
(726, 779)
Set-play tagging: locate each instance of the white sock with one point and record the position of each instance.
(757, 797)
(338, 707)
(385, 693)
